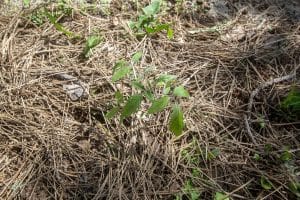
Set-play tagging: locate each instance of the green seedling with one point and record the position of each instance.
(256, 157)
(265, 183)
(91, 42)
(190, 191)
(294, 187)
(59, 27)
(145, 87)
(148, 23)
(220, 196)
(286, 156)
(26, 3)
(291, 104)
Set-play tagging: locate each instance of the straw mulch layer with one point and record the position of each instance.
(237, 69)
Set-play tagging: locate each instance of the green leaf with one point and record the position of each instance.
(91, 43)
(157, 28)
(295, 188)
(164, 79)
(159, 105)
(213, 154)
(153, 8)
(181, 92)
(137, 57)
(132, 106)
(176, 120)
(256, 157)
(119, 97)
(58, 26)
(143, 21)
(265, 183)
(26, 3)
(131, 25)
(138, 85)
(120, 72)
(166, 90)
(191, 191)
(286, 156)
(220, 196)
(149, 95)
(112, 112)
(170, 33)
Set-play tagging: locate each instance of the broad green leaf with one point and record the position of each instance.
(26, 3)
(159, 105)
(176, 120)
(143, 21)
(220, 196)
(137, 57)
(112, 112)
(181, 92)
(153, 8)
(265, 183)
(119, 97)
(120, 73)
(138, 85)
(132, 106)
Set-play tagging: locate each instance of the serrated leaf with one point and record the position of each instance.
(152, 8)
(112, 112)
(220, 196)
(265, 183)
(132, 106)
(137, 57)
(119, 97)
(176, 121)
(181, 92)
(159, 105)
(120, 73)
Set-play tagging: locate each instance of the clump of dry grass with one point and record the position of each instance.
(52, 147)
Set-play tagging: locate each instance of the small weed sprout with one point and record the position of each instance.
(148, 23)
(144, 87)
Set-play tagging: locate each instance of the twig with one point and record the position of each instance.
(255, 92)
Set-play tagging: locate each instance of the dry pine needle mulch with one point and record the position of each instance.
(54, 148)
